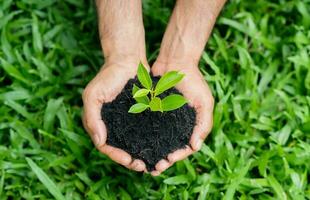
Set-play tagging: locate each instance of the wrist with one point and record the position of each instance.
(183, 61)
(125, 59)
(186, 66)
(126, 62)
(173, 51)
(113, 55)
(127, 45)
(177, 63)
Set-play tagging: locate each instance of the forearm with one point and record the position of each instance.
(121, 30)
(188, 30)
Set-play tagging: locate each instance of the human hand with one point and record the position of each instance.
(106, 85)
(195, 89)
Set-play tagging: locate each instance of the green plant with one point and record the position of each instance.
(148, 97)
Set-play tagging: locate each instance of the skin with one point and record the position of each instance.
(123, 43)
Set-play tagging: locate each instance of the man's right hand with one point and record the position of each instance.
(122, 40)
(106, 85)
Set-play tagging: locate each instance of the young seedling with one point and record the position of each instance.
(147, 97)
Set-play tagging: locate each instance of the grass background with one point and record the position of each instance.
(256, 62)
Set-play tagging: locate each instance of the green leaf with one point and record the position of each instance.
(48, 36)
(305, 127)
(53, 105)
(144, 99)
(2, 181)
(276, 186)
(135, 88)
(36, 36)
(124, 194)
(155, 104)
(190, 168)
(47, 182)
(137, 108)
(21, 110)
(176, 180)
(144, 77)
(167, 81)
(82, 140)
(14, 72)
(141, 93)
(173, 102)
(24, 132)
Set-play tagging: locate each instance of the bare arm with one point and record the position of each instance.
(189, 28)
(122, 40)
(188, 31)
(121, 30)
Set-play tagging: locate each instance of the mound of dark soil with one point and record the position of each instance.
(149, 136)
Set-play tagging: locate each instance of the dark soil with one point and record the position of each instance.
(149, 136)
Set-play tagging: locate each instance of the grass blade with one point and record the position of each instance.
(277, 187)
(2, 181)
(51, 110)
(177, 180)
(47, 182)
(36, 36)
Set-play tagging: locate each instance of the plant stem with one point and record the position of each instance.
(152, 94)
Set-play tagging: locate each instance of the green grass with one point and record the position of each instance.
(257, 63)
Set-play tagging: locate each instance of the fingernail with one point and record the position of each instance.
(198, 144)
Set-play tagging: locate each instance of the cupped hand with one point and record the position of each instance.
(195, 89)
(106, 85)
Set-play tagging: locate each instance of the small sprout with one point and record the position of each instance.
(147, 97)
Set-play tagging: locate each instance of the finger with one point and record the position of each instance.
(92, 120)
(155, 173)
(204, 123)
(158, 68)
(137, 165)
(162, 165)
(179, 154)
(96, 127)
(116, 154)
